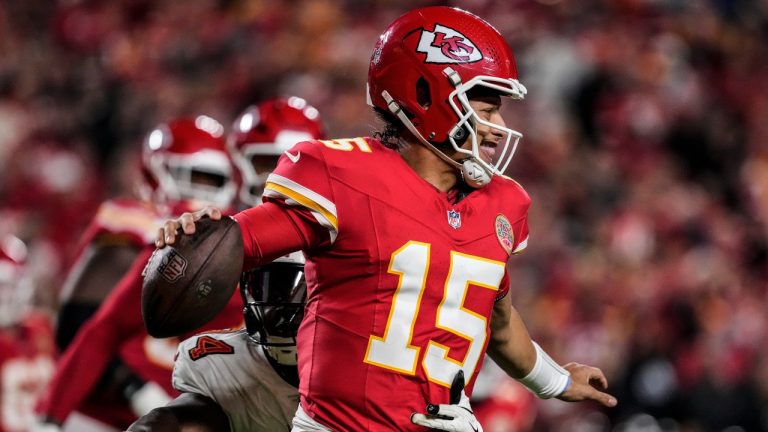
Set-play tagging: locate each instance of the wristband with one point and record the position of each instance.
(547, 379)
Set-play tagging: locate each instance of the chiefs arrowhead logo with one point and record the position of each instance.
(446, 45)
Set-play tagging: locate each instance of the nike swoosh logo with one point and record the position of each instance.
(293, 157)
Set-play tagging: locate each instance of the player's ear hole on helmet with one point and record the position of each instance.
(460, 136)
(423, 95)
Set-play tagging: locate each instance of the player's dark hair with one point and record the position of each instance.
(391, 130)
(393, 134)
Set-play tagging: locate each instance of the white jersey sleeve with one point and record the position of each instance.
(233, 371)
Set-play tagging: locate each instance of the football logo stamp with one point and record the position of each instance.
(173, 266)
(504, 233)
(204, 289)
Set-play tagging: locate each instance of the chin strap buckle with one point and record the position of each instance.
(474, 174)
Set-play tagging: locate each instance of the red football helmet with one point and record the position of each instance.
(421, 70)
(186, 165)
(262, 133)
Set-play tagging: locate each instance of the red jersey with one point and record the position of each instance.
(401, 293)
(118, 329)
(121, 221)
(125, 221)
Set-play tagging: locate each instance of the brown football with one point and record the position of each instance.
(188, 283)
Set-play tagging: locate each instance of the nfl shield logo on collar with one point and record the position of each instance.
(454, 219)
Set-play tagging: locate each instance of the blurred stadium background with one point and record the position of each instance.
(645, 153)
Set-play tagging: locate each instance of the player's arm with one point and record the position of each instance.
(101, 266)
(83, 363)
(105, 260)
(511, 347)
(290, 229)
(299, 212)
(188, 412)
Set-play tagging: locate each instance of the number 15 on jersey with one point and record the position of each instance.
(394, 349)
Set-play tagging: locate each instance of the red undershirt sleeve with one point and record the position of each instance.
(271, 230)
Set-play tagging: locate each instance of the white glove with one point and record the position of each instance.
(457, 417)
(148, 397)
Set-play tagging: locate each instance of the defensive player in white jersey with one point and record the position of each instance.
(243, 380)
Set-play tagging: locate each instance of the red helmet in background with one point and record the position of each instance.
(185, 165)
(263, 132)
(421, 70)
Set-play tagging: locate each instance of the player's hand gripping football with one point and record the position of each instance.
(585, 381)
(186, 222)
(454, 417)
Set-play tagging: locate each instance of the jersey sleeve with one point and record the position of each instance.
(272, 230)
(520, 229)
(522, 203)
(186, 377)
(503, 287)
(302, 180)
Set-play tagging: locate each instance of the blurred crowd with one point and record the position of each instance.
(645, 154)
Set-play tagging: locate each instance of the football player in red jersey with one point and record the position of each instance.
(407, 236)
(185, 166)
